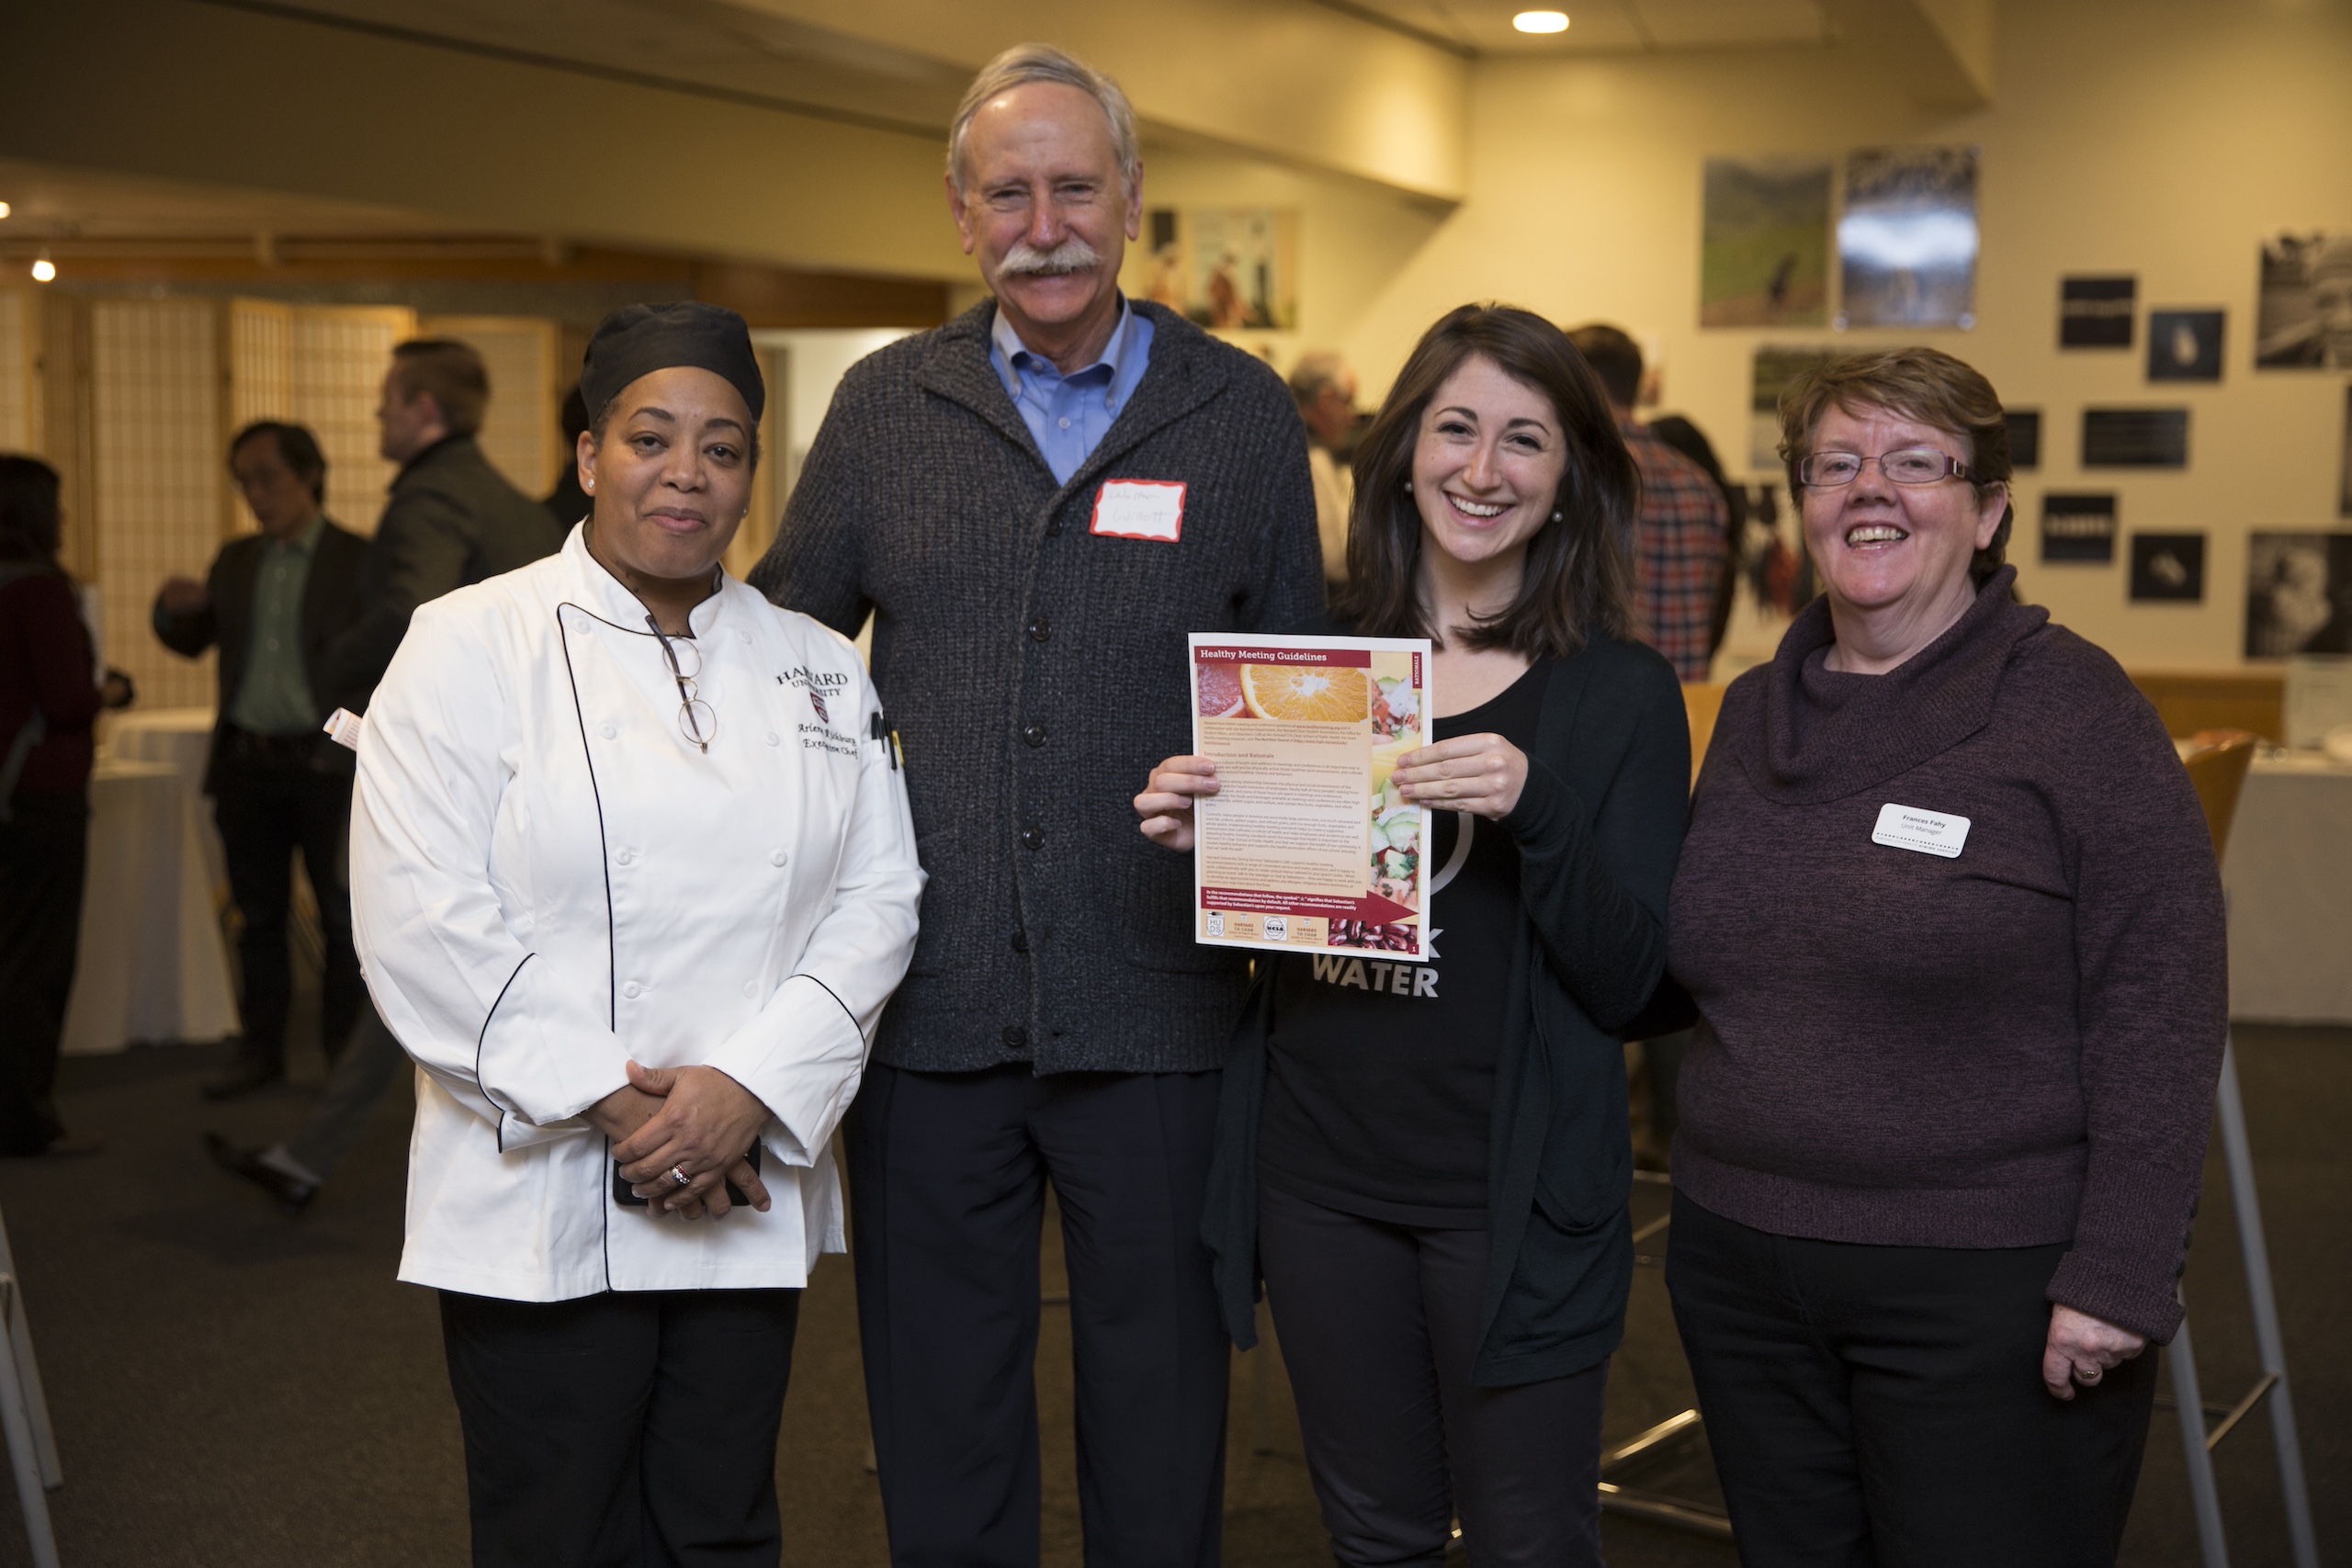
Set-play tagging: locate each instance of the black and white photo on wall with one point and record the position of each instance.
(2095, 312)
(2298, 595)
(2024, 437)
(2168, 568)
(2135, 438)
(1908, 238)
(1775, 366)
(2077, 529)
(2184, 346)
(2305, 315)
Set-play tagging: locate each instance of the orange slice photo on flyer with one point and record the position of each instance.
(1320, 694)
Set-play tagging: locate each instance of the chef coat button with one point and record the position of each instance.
(1032, 839)
(632, 991)
(1037, 629)
(607, 730)
(778, 858)
(744, 637)
(751, 988)
(1035, 734)
(1015, 1036)
(1020, 941)
(625, 856)
(772, 739)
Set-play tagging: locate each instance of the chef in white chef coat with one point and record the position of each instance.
(632, 876)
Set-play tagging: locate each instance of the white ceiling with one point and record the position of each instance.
(1608, 25)
(49, 203)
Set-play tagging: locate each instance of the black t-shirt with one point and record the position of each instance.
(1380, 1074)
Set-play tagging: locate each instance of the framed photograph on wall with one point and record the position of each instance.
(2168, 568)
(2298, 595)
(2077, 530)
(2184, 346)
(1776, 365)
(2344, 476)
(2304, 320)
(2095, 312)
(1907, 239)
(2024, 437)
(2135, 438)
(1225, 268)
(1764, 242)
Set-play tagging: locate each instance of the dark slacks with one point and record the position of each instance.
(1883, 1405)
(372, 1062)
(271, 802)
(44, 856)
(947, 1184)
(1379, 1328)
(625, 1430)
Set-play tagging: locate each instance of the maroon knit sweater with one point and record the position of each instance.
(2011, 1048)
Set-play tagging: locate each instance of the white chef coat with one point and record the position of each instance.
(547, 879)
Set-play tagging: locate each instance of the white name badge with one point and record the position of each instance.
(1929, 832)
(1140, 508)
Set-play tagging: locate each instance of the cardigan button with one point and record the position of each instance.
(1015, 1036)
(1031, 839)
(1037, 629)
(1020, 941)
(1035, 734)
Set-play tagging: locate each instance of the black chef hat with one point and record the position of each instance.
(638, 340)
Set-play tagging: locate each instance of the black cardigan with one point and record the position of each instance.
(1598, 826)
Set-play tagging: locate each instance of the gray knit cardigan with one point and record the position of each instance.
(1035, 672)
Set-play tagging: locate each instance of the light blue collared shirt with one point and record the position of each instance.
(1068, 415)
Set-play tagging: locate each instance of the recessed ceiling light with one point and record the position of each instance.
(4, 209)
(1541, 21)
(44, 269)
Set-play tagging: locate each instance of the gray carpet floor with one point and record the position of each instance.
(233, 1387)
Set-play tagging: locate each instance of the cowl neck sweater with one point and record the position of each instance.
(1825, 734)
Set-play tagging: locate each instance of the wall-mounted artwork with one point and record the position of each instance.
(2343, 483)
(2024, 437)
(2135, 438)
(1907, 240)
(2095, 312)
(1776, 366)
(2305, 321)
(2168, 568)
(2078, 529)
(2298, 595)
(2184, 346)
(1227, 268)
(1764, 243)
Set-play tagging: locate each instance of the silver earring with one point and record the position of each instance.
(1555, 517)
(591, 484)
(1408, 487)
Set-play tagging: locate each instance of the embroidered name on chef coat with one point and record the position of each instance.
(1139, 509)
(1929, 832)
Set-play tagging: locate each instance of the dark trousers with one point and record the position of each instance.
(44, 855)
(947, 1187)
(269, 802)
(1379, 1329)
(1883, 1405)
(625, 1430)
(372, 1062)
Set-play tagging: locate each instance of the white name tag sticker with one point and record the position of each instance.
(1929, 832)
(1140, 508)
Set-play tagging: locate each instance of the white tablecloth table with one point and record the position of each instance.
(182, 737)
(2289, 873)
(151, 965)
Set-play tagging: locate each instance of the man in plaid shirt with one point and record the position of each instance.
(1679, 539)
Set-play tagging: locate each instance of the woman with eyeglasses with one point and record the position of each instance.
(632, 876)
(1951, 913)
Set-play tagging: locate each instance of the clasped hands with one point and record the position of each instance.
(697, 1120)
(1482, 774)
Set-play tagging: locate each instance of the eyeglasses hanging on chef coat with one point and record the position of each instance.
(695, 719)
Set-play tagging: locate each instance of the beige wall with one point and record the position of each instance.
(2164, 138)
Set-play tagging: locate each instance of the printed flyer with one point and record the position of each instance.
(1305, 843)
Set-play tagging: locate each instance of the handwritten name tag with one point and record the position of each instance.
(1140, 508)
(1929, 832)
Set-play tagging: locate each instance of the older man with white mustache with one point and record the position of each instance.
(1036, 502)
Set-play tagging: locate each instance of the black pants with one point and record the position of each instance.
(271, 801)
(625, 1430)
(947, 1187)
(1883, 1405)
(44, 855)
(1379, 1328)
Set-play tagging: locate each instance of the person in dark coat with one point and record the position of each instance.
(1037, 502)
(48, 704)
(452, 520)
(1428, 1164)
(569, 502)
(271, 604)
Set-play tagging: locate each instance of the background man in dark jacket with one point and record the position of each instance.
(452, 520)
(271, 604)
(973, 488)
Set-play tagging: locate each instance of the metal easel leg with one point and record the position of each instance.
(2202, 1497)
(2264, 1301)
(24, 1415)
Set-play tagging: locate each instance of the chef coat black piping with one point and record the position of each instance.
(804, 975)
(503, 1111)
(612, 947)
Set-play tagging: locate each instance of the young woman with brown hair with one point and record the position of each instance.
(1430, 1177)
